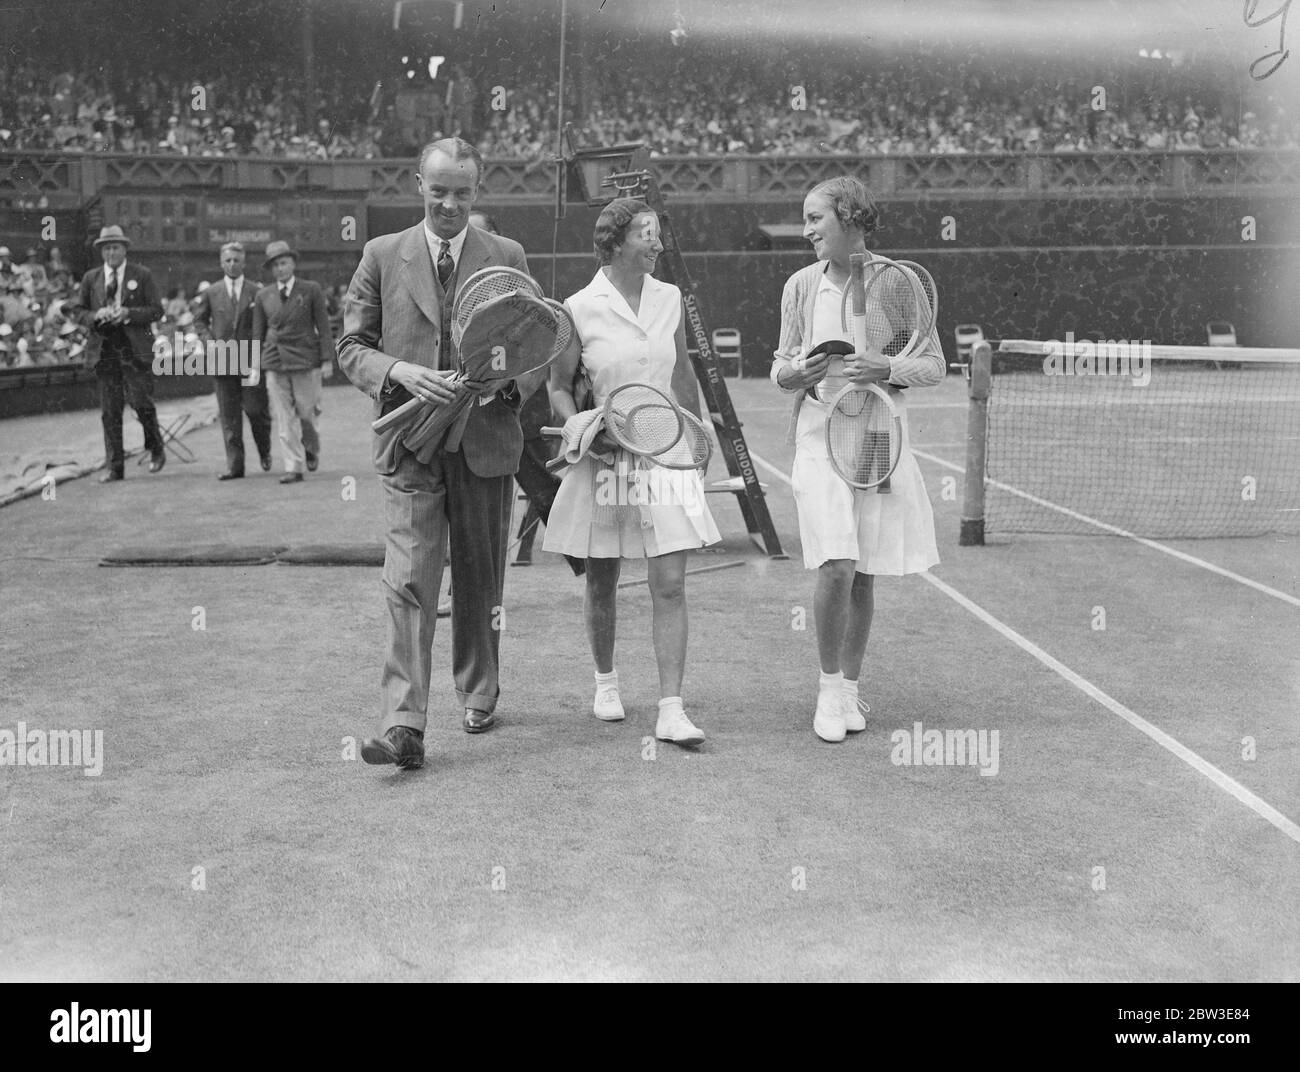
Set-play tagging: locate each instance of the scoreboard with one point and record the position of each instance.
(200, 221)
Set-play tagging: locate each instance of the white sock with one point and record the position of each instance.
(607, 679)
(829, 682)
(851, 688)
(668, 703)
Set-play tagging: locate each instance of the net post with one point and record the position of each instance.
(977, 431)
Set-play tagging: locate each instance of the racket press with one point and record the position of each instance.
(744, 483)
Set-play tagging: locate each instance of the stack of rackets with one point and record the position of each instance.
(648, 423)
(890, 308)
(502, 329)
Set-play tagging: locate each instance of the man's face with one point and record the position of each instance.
(449, 188)
(282, 268)
(232, 263)
(114, 253)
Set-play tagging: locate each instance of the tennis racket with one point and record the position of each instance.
(478, 290)
(508, 337)
(864, 436)
(641, 419)
(928, 289)
(693, 451)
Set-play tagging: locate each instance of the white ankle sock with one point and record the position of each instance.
(668, 703)
(851, 688)
(831, 681)
(607, 679)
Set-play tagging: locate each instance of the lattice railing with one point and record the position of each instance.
(76, 179)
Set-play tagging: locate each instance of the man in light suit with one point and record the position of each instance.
(401, 299)
(118, 303)
(291, 321)
(224, 312)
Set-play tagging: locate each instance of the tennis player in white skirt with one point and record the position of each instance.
(849, 536)
(629, 330)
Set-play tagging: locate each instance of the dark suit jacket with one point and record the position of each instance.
(216, 318)
(139, 299)
(297, 337)
(393, 312)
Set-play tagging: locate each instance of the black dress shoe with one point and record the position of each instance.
(110, 476)
(313, 460)
(400, 744)
(157, 460)
(479, 721)
(231, 476)
(291, 478)
(266, 463)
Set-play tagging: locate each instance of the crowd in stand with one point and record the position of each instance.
(940, 106)
(35, 331)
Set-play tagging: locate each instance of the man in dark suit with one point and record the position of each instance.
(118, 303)
(224, 313)
(401, 298)
(291, 322)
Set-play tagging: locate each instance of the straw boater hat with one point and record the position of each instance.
(111, 234)
(278, 249)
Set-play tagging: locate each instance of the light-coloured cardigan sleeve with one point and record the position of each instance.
(791, 342)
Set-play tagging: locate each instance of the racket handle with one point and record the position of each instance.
(551, 432)
(883, 487)
(556, 464)
(398, 416)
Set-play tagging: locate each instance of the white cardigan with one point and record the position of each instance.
(925, 368)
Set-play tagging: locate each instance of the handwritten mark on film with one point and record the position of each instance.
(1281, 52)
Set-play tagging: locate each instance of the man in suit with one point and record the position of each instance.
(292, 324)
(401, 298)
(118, 303)
(224, 313)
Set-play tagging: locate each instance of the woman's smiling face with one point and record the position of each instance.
(641, 246)
(830, 239)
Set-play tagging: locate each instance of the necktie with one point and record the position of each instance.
(234, 293)
(445, 264)
(110, 290)
(284, 295)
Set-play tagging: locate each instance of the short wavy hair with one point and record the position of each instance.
(612, 224)
(851, 202)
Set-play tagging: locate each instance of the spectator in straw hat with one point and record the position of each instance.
(118, 303)
(291, 321)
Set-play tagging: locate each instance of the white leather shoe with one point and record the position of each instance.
(828, 723)
(855, 712)
(607, 706)
(679, 729)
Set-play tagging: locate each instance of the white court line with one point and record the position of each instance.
(1224, 781)
(1155, 545)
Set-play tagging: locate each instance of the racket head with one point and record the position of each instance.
(928, 290)
(864, 435)
(565, 329)
(482, 287)
(642, 419)
(508, 337)
(694, 450)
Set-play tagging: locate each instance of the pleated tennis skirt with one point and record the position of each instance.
(601, 512)
(889, 535)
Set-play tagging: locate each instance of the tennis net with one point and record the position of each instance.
(1139, 439)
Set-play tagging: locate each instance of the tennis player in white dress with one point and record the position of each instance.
(848, 536)
(629, 330)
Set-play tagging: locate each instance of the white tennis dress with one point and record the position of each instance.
(890, 534)
(668, 512)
